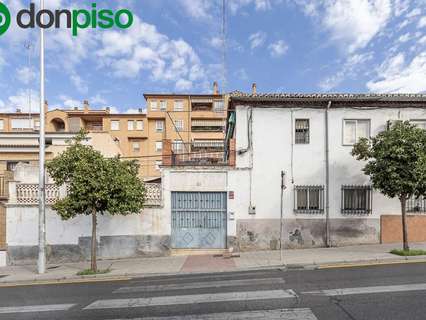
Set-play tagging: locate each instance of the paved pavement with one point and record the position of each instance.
(319, 257)
(391, 292)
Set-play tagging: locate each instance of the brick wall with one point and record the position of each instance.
(391, 228)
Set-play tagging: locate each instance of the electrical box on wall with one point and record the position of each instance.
(231, 216)
(252, 209)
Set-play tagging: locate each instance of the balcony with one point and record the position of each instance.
(207, 126)
(207, 105)
(94, 126)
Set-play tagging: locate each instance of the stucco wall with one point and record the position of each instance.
(118, 236)
(304, 164)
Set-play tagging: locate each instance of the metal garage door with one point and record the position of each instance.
(199, 220)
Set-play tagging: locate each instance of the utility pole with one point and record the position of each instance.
(28, 46)
(282, 215)
(41, 263)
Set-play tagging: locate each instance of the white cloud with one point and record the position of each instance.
(278, 48)
(349, 69)
(98, 100)
(25, 75)
(198, 9)
(395, 75)
(422, 22)
(352, 24)
(182, 85)
(143, 50)
(405, 37)
(259, 5)
(414, 13)
(79, 83)
(257, 39)
(21, 100)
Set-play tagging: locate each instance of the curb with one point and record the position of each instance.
(280, 267)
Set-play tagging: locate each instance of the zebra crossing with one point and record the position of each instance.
(225, 296)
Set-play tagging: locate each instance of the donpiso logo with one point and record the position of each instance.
(71, 19)
(4, 18)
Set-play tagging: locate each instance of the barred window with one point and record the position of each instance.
(302, 131)
(356, 199)
(309, 199)
(416, 205)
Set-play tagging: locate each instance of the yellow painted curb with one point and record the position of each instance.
(65, 281)
(368, 264)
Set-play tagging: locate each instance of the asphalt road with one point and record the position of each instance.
(379, 292)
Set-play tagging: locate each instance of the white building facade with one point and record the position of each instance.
(327, 198)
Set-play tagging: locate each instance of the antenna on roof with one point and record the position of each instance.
(224, 21)
(28, 45)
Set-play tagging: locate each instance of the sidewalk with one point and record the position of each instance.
(309, 258)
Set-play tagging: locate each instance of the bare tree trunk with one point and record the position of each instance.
(404, 224)
(93, 265)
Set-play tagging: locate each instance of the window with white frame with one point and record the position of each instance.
(159, 125)
(115, 125)
(130, 125)
(136, 146)
(177, 146)
(179, 125)
(356, 199)
(158, 163)
(309, 199)
(178, 105)
(163, 105)
(1, 124)
(154, 105)
(354, 129)
(139, 125)
(22, 124)
(218, 106)
(158, 146)
(419, 123)
(301, 131)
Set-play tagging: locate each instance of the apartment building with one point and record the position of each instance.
(194, 123)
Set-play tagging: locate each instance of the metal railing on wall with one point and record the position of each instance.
(27, 194)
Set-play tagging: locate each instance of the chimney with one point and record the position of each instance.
(75, 108)
(46, 107)
(18, 110)
(86, 106)
(108, 109)
(254, 89)
(215, 88)
(140, 110)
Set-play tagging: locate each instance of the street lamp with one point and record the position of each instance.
(41, 263)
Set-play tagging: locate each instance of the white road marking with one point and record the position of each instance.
(200, 285)
(368, 290)
(191, 299)
(283, 314)
(40, 308)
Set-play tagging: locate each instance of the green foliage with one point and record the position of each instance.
(405, 253)
(95, 182)
(396, 160)
(90, 272)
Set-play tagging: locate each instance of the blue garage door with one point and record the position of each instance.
(199, 220)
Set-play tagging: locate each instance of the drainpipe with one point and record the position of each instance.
(327, 180)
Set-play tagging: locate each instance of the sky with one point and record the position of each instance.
(176, 46)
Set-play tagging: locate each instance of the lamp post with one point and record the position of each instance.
(41, 263)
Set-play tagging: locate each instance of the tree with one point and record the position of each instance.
(396, 164)
(95, 185)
